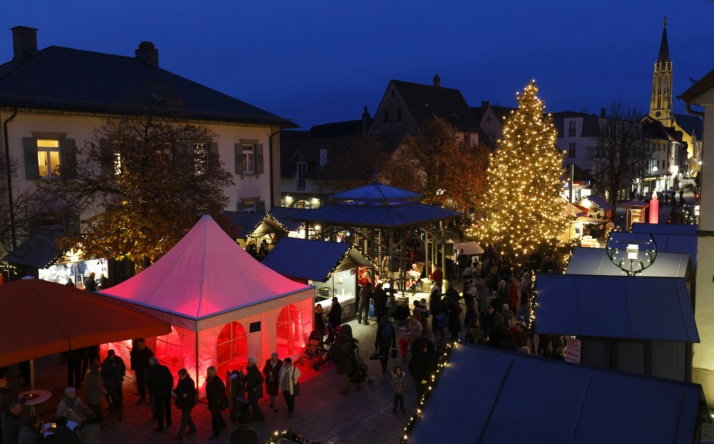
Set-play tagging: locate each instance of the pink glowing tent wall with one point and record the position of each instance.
(212, 291)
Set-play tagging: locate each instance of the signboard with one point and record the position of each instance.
(572, 350)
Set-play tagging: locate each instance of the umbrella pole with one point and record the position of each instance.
(32, 374)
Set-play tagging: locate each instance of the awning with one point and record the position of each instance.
(600, 202)
(470, 248)
(313, 259)
(386, 216)
(515, 398)
(38, 251)
(623, 307)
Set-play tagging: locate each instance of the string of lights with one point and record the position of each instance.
(289, 435)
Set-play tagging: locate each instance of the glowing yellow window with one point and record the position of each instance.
(48, 157)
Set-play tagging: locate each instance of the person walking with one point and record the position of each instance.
(217, 401)
(365, 294)
(385, 341)
(288, 380)
(113, 371)
(94, 389)
(140, 355)
(271, 371)
(421, 367)
(74, 367)
(334, 317)
(160, 381)
(399, 383)
(185, 401)
(379, 296)
(254, 389)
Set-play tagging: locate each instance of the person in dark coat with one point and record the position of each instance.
(334, 317)
(365, 294)
(346, 346)
(12, 422)
(271, 369)
(217, 401)
(113, 371)
(160, 381)
(254, 389)
(421, 367)
(244, 434)
(140, 355)
(90, 283)
(31, 432)
(379, 296)
(185, 401)
(62, 434)
(385, 341)
(74, 367)
(319, 322)
(454, 320)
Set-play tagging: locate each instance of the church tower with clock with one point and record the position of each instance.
(661, 103)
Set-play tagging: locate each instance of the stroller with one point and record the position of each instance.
(359, 374)
(315, 351)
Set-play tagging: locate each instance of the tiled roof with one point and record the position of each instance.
(700, 87)
(426, 101)
(337, 129)
(591, 125)
(60, 78)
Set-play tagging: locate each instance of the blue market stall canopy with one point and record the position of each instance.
(282, 214)
(669, 243)
(313, 259)
(377, 194)
(390, 216)
(555, 402)
(249, 222)
(38, 251)
(649, 308)
(600, 202)
(678, 229)
(594, 261)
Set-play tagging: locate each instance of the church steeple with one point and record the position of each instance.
(661, 107)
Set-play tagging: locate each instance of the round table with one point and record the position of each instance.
(48, 429)
(33, 397)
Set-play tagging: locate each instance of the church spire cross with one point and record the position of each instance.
(664, 45)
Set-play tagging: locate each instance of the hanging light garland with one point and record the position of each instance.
(289, 435)
(442, 364)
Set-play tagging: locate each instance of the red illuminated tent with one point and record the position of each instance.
(223, 304)
(39, 318)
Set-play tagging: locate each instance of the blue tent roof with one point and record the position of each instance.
(649, 308)
(377, 194)
(670, 243)
(594, 261)
(487, 395)
(376, 216)
(313, 259)
(38, 251)
(679, 229)
(281, 214)
(248, 222)
(600, 202)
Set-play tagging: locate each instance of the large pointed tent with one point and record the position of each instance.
(223, 305)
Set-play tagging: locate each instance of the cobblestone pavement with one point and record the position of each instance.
(321, 412)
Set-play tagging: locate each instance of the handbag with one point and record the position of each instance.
(393, 353)
(296, 386)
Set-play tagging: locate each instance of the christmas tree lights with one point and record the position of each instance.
(523, 207)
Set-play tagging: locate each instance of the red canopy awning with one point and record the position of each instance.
(39, 318)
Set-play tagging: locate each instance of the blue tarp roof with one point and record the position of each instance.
(313, 259)
(487, 395)
(679, 229)
(670, 243)
(248, 222)
(281, 214)
(649, 308)
(38, 251)
(594, 261)
(377, 194)
(600, 202)
(376, 216)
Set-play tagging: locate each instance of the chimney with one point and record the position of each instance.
(603, 112)
(485, 104)
(147, 53)
(24, 43)
(365, 121)
(437, 81)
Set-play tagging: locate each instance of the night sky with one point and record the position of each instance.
(323, 61)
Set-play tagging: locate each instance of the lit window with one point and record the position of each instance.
(48, 157)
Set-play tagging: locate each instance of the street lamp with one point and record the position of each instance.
(618, 253)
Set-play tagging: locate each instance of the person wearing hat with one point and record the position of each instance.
(12, 422)
(254, 388)
(72, 407)
(160, 382)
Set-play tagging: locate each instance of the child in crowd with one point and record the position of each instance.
(399, 381)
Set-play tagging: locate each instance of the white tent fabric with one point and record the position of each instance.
(470, 248)
(224, 305)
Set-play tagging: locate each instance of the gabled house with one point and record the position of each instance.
(52, 99)
(490, 120)
(669, 154)
(577, 132)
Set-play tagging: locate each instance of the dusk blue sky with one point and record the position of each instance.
(319, 61)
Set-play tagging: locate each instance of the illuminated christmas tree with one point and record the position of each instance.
(523, 208)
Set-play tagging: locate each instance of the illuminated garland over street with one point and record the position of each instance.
(441, 365)
(523, 207)
(289, 435)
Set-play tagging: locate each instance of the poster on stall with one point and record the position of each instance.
(572, 350)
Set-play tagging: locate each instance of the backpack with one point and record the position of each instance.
(387, 330)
